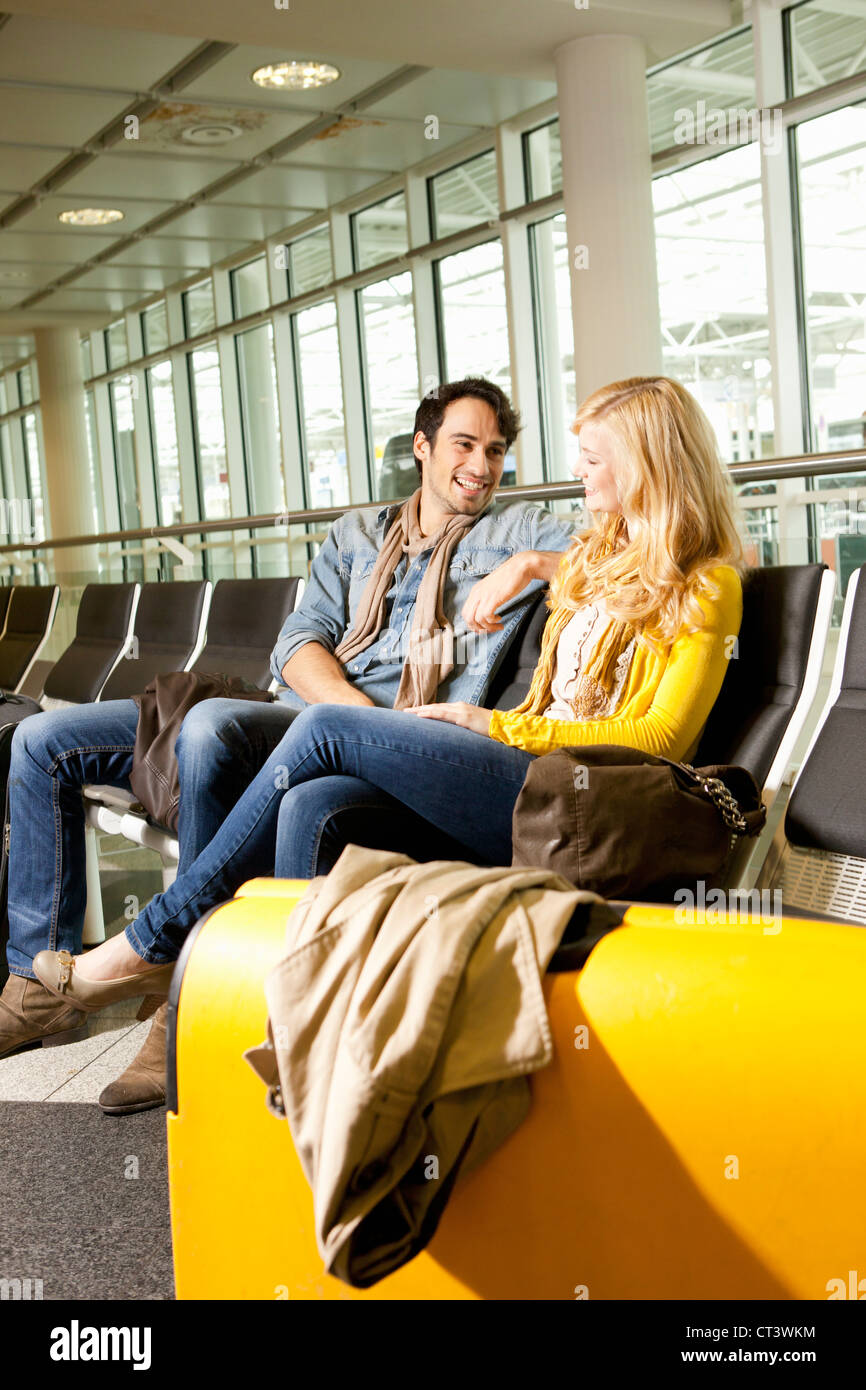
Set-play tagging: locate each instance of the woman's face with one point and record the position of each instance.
(595, 467)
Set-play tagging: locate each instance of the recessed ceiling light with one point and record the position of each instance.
(13, 275)
(90, 217)
(297, 75)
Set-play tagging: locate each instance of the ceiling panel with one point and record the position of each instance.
(41, 118)
(59, 51)
(244, 223)
(90, 302)
(22, 165)
(14, 275)
(63, 245)
(231, 77)
(168, 127)
(367, 142)
(180, 253)
(473, 99)
(282, 186)
(144, 279)
(136, 174)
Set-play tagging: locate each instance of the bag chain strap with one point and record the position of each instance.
(721, 798)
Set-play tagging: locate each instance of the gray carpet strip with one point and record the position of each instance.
(83, 1203)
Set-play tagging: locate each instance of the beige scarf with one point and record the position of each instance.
(431, 641)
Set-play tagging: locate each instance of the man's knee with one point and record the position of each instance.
(40, 737)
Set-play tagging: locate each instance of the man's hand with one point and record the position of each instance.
(467, 716)
(503, 584)
(319, 678)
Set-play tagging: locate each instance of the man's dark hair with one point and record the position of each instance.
(431, 411)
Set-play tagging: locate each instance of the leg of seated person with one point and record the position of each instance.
(460, 781)
(53, 756)
(319, 819)
(221, 746)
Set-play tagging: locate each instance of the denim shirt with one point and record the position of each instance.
(339, 575)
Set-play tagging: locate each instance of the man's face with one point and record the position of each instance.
(462, 470)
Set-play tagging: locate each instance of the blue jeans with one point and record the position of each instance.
(463, 784)
(220, 748)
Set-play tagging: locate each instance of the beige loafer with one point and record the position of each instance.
(56, 971)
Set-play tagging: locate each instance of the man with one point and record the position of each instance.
(401, 606)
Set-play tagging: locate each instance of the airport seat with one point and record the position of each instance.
(103, 632)
(245, 617)
(170, 624)
(28, 613)
(817, 860)
(5, 596)
(681, 1145)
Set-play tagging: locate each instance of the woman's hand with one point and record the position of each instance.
(466, 716)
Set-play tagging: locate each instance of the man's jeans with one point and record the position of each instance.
(220, 748)
(462, 783)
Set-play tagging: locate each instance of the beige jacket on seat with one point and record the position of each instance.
(403, 1020)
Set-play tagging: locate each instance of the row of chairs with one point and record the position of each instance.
(126, 634)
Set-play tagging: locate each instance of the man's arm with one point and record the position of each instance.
(504, 583)
(319, 678)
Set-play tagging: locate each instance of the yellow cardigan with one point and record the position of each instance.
(668, 695)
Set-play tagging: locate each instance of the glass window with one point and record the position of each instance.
(163, 429)
(471, 289)
(310, 263)
(154, 328)
(464, 196)
(25, 386)
(210, 437)
(826, 42)
(713, 295)
(3, 406)
(387, 319)
(93, 463)
(692, 98)
(249, 285)
(33, 470)
(123, 426)
(320, 405)
(86, 359)
(542, 160)
(116, 348)
(555, 338)
(199, 315)
(831, 157)
(260, 419)
(380, 232)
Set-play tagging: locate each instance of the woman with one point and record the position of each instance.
(644, 610)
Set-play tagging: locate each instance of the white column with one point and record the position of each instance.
(606, 174)
(64, 432)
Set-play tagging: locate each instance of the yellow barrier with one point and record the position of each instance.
(700, 1134)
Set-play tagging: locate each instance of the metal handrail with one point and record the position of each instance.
(755, 471)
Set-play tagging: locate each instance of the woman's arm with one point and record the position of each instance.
(686, 693)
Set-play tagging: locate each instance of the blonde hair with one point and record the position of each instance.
(650, 564)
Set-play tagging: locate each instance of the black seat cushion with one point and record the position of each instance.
(765, 677)
(827, 809)
(100, 635)
(243, 625)
(29, 609)
(167, 622)
(511, 681)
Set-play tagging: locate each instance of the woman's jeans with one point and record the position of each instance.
(220, 748)
(463, 783)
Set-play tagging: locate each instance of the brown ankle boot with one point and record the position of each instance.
(142, 1085)
(31, 1016)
